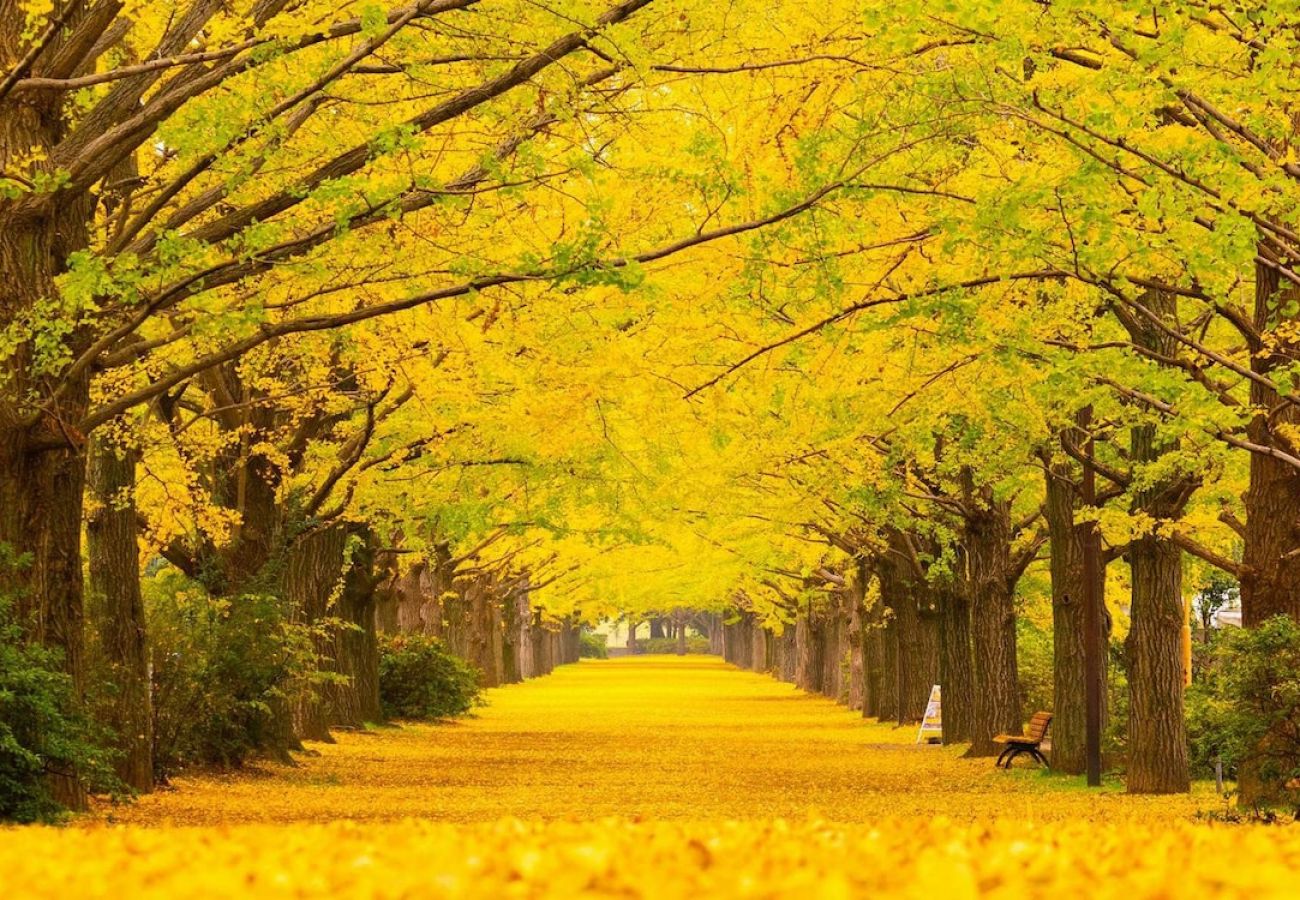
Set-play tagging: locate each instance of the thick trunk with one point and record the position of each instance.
(887, 705)
(525, 663)
(988, 577)
(833, 645)
(1157, 732)
(482, 615)
(956, 665)
(312, 569)
(928, 663)
(915, 651)
(42, 453)
(543, 647)
(715, 635)
(569, 641)
(758, 648)
(1065, 542)
(1270, 582)
(808, 651)
(328, 575)
(1270, 585)
(355, 702)
(788, 655)
(119, 652)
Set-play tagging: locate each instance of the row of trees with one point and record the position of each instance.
(655, 302)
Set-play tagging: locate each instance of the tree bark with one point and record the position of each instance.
(42, 454)
(355, 703)
(323, 582)
(758, 647)
(988, 581)
(808, 651)
(856, 635)
(1270, 585)
(312, 569)
(1157, 731)
(715, 635)
(956, 665)
(1065, 543)
(788, 655)
(115, 612)
(873, 657)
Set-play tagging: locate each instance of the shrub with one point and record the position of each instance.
(592, 646)
(694, 644)
(43, 730)
(223, 669)
(1251, 691)
(419, 679)
(1034, 666)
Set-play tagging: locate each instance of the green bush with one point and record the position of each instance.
(419, 679)
(222, 672)
(1251, 689)
(694, 644)
(1034, 666)
(43, 730)
(592, 646)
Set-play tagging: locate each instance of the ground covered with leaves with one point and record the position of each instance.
(649, 776)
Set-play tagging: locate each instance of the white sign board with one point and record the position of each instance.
(931, 730)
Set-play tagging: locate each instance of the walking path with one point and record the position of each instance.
(647, 777)
(659, 737)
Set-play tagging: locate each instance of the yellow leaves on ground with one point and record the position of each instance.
(896, 858)
(647, 776)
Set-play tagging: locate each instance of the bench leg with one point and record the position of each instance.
(1001, 758)
(1041, 758)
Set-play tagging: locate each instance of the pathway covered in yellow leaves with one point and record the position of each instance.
(658, 737)
(649, 776)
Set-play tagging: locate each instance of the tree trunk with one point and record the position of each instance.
(328, 575)
(1157, 732)
(789, 657)
(1069, 690)
(356, 646)
(42, 454)
(956, 665)
(527, 664)
(887, 704)
(115, 612)
(482, 627)
(873, 656)
(807, 650)
(758, 648)
(1270, 585)
(1270, 581)
(570, 633)
(988, 577)
(928, 661)
(855, 635)
(312, 569)
(833, 651)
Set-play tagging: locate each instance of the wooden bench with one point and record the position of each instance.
(1025, 743)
